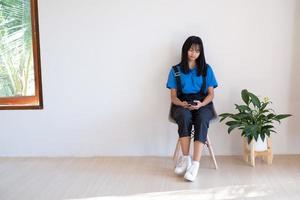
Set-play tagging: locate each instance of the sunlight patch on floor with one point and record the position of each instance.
(218, 193)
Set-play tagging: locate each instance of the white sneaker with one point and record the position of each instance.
(184, 162)
(191, 172)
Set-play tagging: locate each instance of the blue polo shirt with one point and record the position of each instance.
(190, 82)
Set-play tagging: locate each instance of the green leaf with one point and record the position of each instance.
(225, 114)
(249, 138)
(263, 111)
(273, 131)
(233, 127)
(282, 116)
(230, 123)
(263, 106)
(222, 119)
(245, 96)
(270, 116)
(243, 116)
(243, 133)
(248, 129)
(268, 127)
(236, 117)
(254, 100)
(261, 116)
(268, 133)
(242, 108)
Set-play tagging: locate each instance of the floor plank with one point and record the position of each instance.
(146, 178)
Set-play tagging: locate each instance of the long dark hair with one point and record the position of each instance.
(200, 61)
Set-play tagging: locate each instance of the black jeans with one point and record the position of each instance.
(200, 118)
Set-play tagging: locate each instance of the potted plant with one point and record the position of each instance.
(254, 119)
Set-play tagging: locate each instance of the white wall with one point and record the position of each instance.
(105, 65)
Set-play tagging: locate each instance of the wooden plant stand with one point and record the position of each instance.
(250, 154)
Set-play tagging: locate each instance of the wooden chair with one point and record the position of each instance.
(178, 151)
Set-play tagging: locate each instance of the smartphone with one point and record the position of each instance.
(192, 103)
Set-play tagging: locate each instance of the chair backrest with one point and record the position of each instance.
(215, 116)
(170, 116)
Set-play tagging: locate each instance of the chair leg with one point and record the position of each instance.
(177, 151)
(208, 144)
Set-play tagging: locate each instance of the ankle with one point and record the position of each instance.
(196, 162)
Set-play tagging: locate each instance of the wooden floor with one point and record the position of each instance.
(142, 178)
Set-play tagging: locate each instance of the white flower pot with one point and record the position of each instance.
(260, 145)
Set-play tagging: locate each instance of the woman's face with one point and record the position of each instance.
(194, 52)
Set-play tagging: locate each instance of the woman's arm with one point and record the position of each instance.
(210, 96)
(176, 101)
(207, 99)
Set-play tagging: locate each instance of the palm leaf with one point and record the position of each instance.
(15, 46)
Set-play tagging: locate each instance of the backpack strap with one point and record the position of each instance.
(203, 87)
(178, 80)
(178, 83)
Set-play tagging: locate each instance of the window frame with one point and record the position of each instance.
(36, 101)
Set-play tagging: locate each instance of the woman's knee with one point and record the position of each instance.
(183, 115)
(204, 115)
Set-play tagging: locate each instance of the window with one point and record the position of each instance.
(20, 70)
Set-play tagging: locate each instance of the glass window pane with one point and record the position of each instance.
(16, 52)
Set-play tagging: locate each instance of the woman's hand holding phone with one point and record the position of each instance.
(185, 104)
(197, 106)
